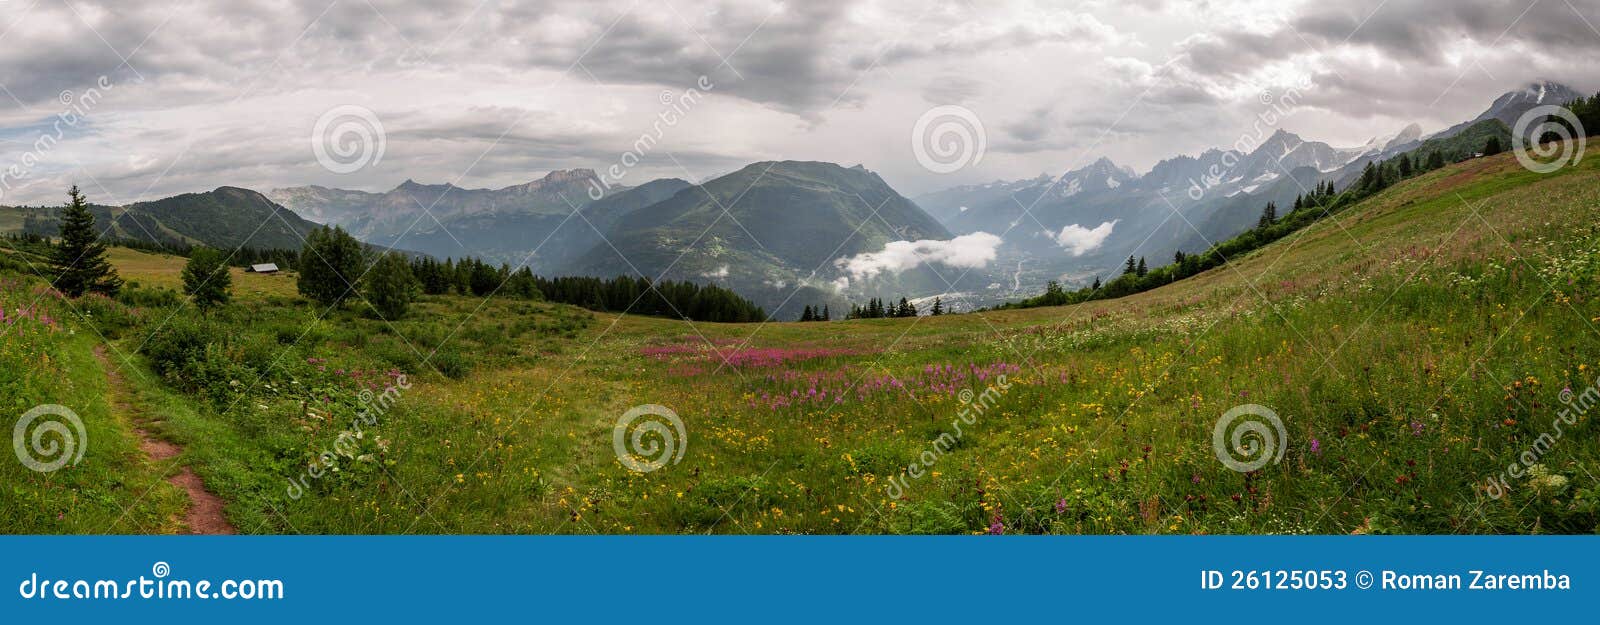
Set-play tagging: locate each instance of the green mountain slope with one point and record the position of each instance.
(762, 230)
(225, 218)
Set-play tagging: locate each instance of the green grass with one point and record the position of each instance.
(1422, 338)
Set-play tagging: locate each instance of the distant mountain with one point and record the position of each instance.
(419, 216)
(948, 204)
(1005, 206)
(1087, 221)
(765, 230)
(225, 218)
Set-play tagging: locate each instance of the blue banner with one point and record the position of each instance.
(793, 579)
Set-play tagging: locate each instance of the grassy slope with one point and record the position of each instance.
(165, 271)
(1419, 343)
(113, 489)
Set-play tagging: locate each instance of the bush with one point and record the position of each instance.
(174, 349)
(451, 364)
(142, 297)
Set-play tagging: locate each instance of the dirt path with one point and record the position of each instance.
(204, 515)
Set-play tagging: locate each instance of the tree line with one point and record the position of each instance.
(879, 309)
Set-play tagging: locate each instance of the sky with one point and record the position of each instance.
(134, 100)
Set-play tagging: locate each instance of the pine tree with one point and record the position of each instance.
(907, 309)
(1142, 270)
(1492, 147)
(1269, 215)
(1369, 178)
(206, 279)
(1096, 286)
(79, 259)
(806, 314)
(1405, 166)
(938, 307)
(826, 316)
(1130, 268)
(389, 286)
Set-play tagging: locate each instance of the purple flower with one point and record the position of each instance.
(1195, 479)
(1316, 446)
(1416, 428)
(1061, 505)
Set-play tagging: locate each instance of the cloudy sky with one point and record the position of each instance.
(136, 100)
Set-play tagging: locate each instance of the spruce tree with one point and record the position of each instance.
(1142, 271)
(1130, 268)
(806, 314)
(389, 286)
(206, 279)
(79, 258)
(826, 316)
(938, 307)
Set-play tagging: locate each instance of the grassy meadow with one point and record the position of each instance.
(1414, 346)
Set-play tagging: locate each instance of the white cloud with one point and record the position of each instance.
(1078, 240)
(968, 251)
(716, 274)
